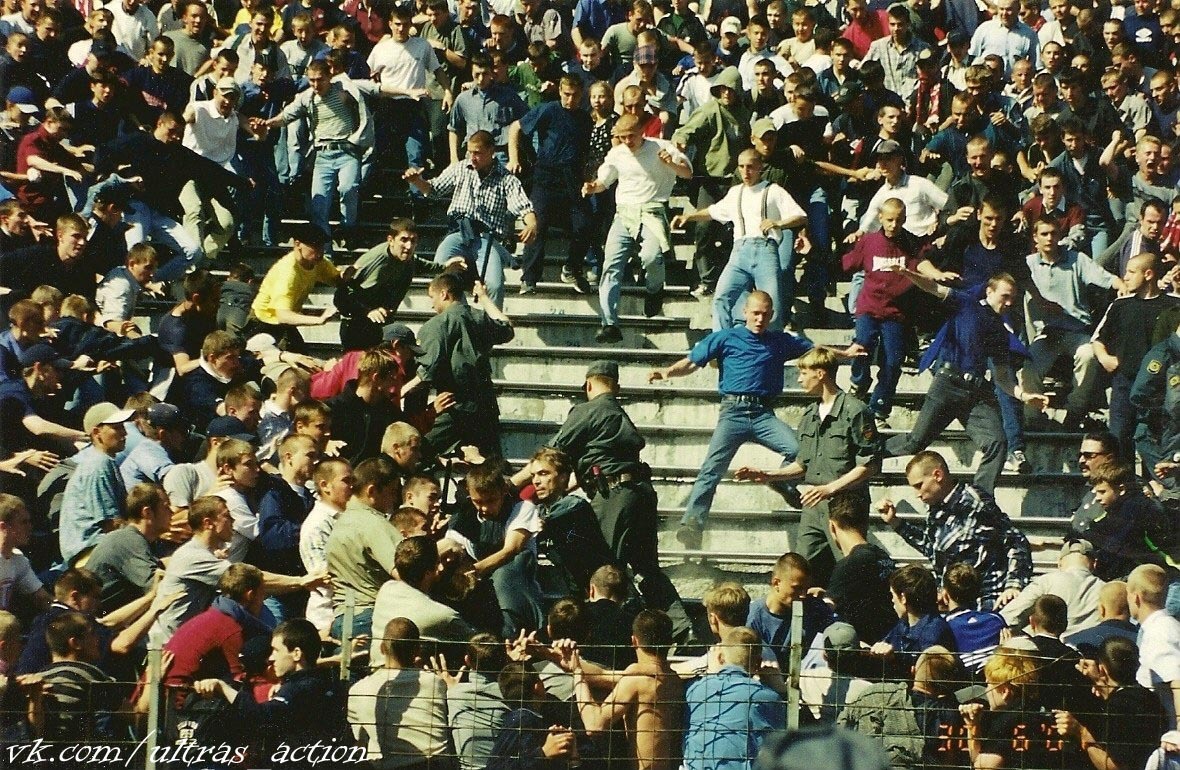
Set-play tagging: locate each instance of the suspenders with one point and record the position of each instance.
(740, 223)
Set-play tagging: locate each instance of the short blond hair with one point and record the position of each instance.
(1018, 671)
(1150, 582)
(820, 358)
(742, 647)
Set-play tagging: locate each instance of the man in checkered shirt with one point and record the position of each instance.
(486, 201)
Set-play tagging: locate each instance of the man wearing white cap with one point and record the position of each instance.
(95, 494)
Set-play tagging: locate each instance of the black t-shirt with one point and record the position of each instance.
(1025, 739)
(1126, 329)
(1131, 725)
(860, 588)
(184, 333)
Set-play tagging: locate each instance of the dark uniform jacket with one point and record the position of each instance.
(458, 342)
(1156, 396)
(599, 433)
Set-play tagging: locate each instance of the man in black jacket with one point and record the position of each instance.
(363, 410)
(160, 167)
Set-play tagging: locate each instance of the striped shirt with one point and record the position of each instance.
(79, 699)
(494, 199)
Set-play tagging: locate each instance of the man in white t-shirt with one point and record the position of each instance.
(402, 64)
(759, 211)
(333, 481)
(16, 574)
(134, 26)
(646, 170)
(211, 127)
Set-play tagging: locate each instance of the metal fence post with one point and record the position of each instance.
(346, 634)
(794, 694)
(155, 699)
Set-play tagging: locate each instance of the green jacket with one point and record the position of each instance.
(718, 135)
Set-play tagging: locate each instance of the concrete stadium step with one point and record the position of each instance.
(1055, 495)
(680, 444)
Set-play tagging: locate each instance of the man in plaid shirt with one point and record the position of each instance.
(964, 525)
(486, 201)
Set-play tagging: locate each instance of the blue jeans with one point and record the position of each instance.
(146, 223)
(753, 263)
(336, 171)
(619, 248)
(1011, 415)
(497, 255)
(737, 423)
(891, 335)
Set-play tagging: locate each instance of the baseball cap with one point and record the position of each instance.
(847, 92)
(103, 45)
(1171, 736)
(165, 416)
(841, 636)
(24, 98)
(403, 334)
(229, 427)
(645, 54)
(310, 235)
(105, 413)
(115, 194)
(887, 147)
(763, 126)
(826, 746)
(957, 38)
(1078, 546)
(42, 354)
(731, 25)
(608, 369)
(227, 85)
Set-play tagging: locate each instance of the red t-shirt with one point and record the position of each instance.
(37, 143)
(874, 27)
(206, 646)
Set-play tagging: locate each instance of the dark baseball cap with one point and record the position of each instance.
(229, 427)
(608, 369)
(115, 194)
(403, 334)
(25, 99)
(310, 235)
(42, 354)
(103, 46)
(166, 416)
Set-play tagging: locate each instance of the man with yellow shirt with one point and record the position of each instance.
(278, 307)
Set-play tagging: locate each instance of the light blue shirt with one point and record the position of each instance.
(95, 493)
(1019, 42)
(729, 715)
(148, 462)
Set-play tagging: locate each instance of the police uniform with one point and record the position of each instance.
(829, 447)
(457, 344)
(973, 339)
(604, 445)
(1156, 398)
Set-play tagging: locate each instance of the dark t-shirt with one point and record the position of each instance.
(1131, 725)
(184, 333)
(860, 588)
(1025, 739)
(1126, 329)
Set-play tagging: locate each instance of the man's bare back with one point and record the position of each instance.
(654, 695)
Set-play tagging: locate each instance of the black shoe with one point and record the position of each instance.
(690, 536)
(609, 334)
(653, 304)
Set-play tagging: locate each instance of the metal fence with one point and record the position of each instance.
(442, 712)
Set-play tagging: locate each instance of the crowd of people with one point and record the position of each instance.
(326, 541)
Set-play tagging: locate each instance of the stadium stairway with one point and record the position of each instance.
(539, 376)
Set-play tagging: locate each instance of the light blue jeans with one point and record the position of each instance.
(737, 423)
(336, 171)
(754, 262)
(618, 250)
(147, 223)
(493, 276)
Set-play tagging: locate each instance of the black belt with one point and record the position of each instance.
(974, 380)
(747, 398)
(332, 144)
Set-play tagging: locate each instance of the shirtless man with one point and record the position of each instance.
(648, 695)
